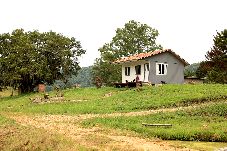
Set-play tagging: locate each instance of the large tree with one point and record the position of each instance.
(215, 66)
(133, 38)
(28, 58)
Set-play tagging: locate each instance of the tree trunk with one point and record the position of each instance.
(26, 85)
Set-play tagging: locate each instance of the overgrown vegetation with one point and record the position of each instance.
(203, 124)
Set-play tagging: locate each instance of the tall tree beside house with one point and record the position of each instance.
(106, 71)
(133, 38)
(28, 58)
(215, 67)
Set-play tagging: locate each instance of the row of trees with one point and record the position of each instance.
(29, 58)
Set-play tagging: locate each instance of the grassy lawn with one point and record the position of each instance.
(203, 124)
(122, 100)
(190, 127)
(17, 137)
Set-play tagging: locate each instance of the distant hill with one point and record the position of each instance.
(191, 70)
(84, 77)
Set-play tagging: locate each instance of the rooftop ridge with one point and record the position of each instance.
(139, 56)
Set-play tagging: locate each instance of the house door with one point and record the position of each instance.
(146, 72)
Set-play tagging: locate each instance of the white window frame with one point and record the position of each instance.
(158, 72)
(127, 71)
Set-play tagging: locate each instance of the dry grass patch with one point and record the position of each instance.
(17, 137)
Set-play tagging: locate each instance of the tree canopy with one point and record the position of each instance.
(28, 58)
(133, 38)
(215, 67)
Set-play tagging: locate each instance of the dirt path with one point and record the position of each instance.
(75, 118)
(97, 138)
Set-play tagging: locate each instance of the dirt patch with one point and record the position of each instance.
(95, 137)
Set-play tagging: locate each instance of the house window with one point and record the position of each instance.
(161, 68)
(138, 69)
(127, 71)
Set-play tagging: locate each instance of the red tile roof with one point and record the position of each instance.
(149, 54)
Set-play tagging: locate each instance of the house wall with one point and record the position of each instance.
(133, 71)
(175, 69)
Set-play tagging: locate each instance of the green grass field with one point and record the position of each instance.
(202, 124)
(93, 100)
(206, 123)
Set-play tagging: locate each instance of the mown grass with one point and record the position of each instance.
(122, 100)
(17, 137)
(207, 123)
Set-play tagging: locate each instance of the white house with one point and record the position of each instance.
(159, 66)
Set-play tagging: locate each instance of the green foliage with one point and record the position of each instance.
(190, 70)
(203, 124)
(218, 76)
(202, 70)
(84, 77)
(133, 38)
(109, 73)
(28, 58)
(215, 68)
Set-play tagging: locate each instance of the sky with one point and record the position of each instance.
(185, 26)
